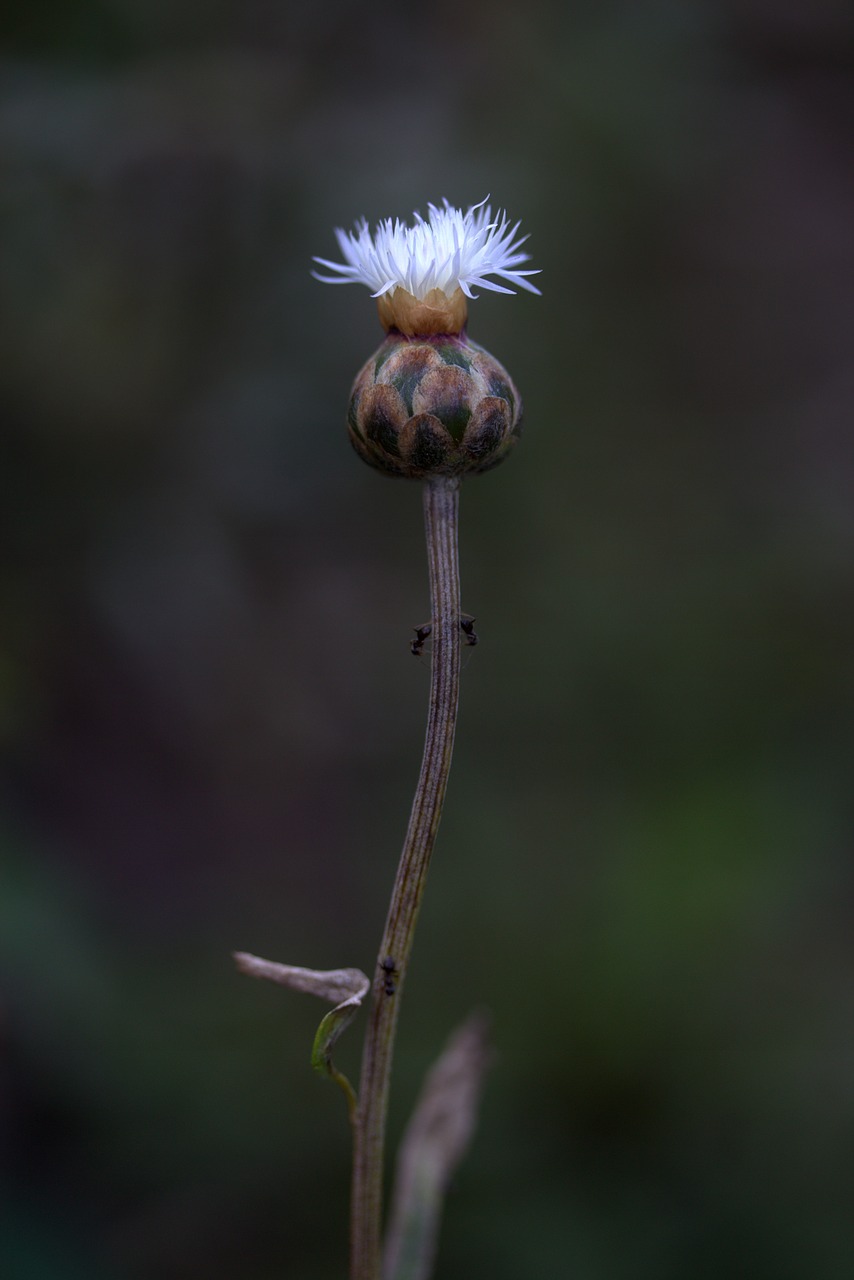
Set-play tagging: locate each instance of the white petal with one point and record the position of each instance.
(447, 250)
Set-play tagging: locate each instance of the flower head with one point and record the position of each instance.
(422, 275)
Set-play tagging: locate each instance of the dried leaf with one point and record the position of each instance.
(434, 1143)
(345, 988)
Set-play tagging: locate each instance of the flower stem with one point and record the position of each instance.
(441, 502)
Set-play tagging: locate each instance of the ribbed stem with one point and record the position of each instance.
(441, 501)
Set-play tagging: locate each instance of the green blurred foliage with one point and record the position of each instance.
(209, 716)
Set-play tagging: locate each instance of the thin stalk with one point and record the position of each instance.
(441, 501)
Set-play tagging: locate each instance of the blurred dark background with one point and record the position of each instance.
(210, 719)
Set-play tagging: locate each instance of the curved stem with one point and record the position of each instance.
(441, 498)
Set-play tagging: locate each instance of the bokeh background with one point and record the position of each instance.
(210, 719)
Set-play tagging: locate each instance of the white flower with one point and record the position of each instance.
(450, 250)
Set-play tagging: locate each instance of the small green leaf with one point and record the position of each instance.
(345, 988)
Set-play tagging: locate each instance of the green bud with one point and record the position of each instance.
(433, 406)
